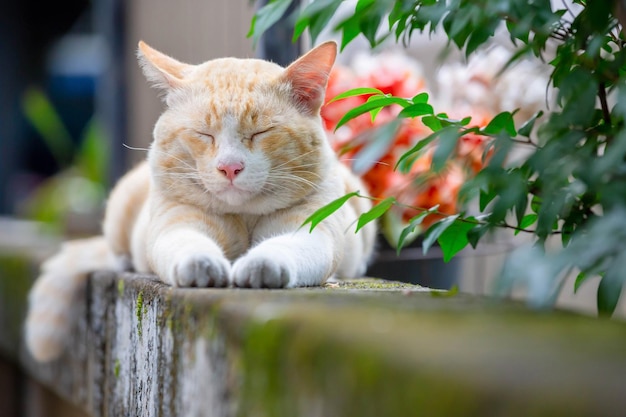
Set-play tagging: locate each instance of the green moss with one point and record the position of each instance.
(371, 284)
(120, 287)
(116, 368)
(16, 276)
(139, 312)
(288, 368)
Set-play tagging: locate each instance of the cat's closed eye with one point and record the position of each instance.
(205, 136)
(259, 134)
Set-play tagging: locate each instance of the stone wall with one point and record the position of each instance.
(362, 348)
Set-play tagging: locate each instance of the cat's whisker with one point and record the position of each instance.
(295, 181)
(315, 174)
(293, 159)
(296, 175)
(375, 162)
(297, 170)
(176, 175)
(134, 148)
(287, 183)
(188, 165)
(289, 168)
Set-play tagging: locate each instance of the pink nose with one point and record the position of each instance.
(231, 170)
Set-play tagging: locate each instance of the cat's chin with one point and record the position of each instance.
(234, 196)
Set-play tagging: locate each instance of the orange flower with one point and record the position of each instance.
(441, 190)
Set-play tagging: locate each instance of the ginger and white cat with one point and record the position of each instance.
(239, 160)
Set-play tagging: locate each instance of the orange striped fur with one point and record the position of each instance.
(239, 160)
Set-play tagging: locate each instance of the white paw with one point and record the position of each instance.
(201, 270)
(258, 271)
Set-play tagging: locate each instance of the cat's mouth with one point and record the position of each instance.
(233, 194)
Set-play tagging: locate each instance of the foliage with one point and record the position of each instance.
(573, 183)
(371, 142)
(80, 186)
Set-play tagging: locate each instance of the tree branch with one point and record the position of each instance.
(606, 114)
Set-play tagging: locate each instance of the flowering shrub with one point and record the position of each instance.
(373, 145)
(569, 184)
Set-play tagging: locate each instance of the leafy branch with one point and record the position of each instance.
(573, 182)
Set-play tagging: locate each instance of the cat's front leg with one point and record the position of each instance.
(183, 257)
(293, 259)
(186, 248)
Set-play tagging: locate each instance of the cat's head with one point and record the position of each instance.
(239, 135)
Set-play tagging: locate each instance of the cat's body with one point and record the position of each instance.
(239, 161)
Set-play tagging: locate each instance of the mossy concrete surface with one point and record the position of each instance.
(361, 348)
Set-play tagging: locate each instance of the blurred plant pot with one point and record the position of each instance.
(413, 266)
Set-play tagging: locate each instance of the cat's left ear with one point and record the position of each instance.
(162, 71)
(308, 76)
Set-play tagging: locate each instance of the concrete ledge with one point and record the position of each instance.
(359, 349)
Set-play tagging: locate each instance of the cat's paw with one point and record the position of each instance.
(201, 270)
(259, 271)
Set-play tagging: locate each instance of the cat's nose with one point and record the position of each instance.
(230, 170)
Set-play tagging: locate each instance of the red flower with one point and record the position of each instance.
(419, 189)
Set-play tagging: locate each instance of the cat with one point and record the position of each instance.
(239, 160)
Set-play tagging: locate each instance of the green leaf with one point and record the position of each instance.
(567, 230)
(474, 235)
(465, 121)
(350, 29)
(420, 98)
(315, 16)
(527, 127)
(379, 141)
(609, 292)
(362, 6)
(405, 157)
(454, 238)
(369, 22)
(374, 112)
(432, 122)
(417, 109)
(535, 203)
(40, 112)
(327, 210)
(361, 91)
(522, 197)
(413, 223)
(527, 221)
(93, 156)
(481, 35)
(485, 197)
(266, 17)
(502, 121)
(369, 106)
(580, 278)
(434, 231)
(611, 284)
(458, 27)
(454, 290)
(375, 212)
(448, 139)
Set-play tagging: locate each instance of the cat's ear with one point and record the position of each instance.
(308, 76)
(162, 71)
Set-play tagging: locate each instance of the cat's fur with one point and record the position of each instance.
(239, 161)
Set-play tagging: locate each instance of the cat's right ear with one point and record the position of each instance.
(164, 72)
